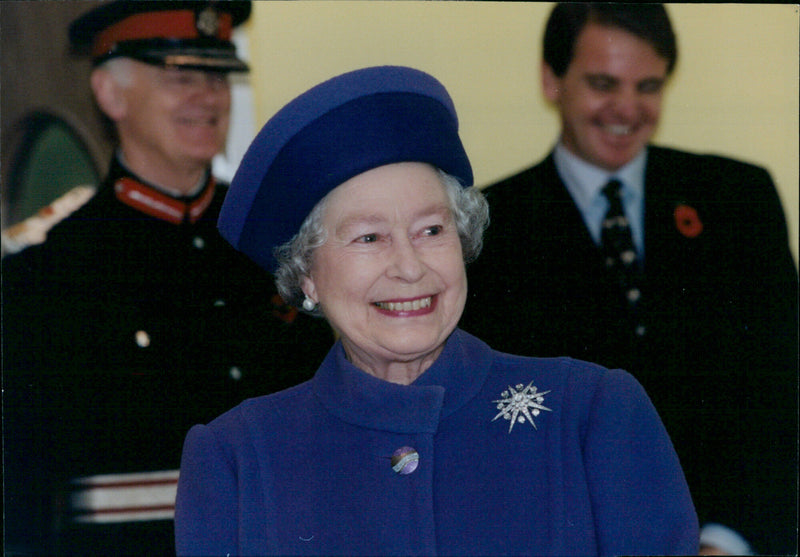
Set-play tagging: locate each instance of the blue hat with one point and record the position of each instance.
(341, 128)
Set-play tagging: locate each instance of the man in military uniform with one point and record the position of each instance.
(135, 320)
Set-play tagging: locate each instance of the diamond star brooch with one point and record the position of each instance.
(519, 404)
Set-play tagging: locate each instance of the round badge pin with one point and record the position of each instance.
(405, 460)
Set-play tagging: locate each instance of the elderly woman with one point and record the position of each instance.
(413, 438)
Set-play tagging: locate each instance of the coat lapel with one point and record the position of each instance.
(561, 229)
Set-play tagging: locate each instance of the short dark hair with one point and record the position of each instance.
(649, 22)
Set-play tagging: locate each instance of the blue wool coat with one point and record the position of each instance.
(516, 456)
(719, 358)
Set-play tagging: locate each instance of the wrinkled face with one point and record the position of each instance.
(610, 96)
(390, 277)
(174, 116)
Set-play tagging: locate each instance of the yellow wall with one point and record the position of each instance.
(735, 90)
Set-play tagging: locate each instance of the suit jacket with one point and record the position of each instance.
(120, 332)
(719, 357)
(309, 471)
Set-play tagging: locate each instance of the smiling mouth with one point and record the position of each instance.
(618, 129)
(419, 303)
(209, 121)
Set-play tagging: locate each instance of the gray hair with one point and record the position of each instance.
(468, 205)
(120, 69)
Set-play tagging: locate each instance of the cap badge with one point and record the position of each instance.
(208, 22)
(520, 403)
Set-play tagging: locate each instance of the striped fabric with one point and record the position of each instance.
(133, 497)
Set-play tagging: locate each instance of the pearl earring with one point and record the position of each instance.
(309, 304)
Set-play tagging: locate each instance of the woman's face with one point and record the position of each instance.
(390, 277)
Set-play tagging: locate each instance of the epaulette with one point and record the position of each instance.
(34, 229)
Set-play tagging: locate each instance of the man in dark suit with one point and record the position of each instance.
(680, 274)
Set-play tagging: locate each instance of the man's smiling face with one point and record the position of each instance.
(610, 96)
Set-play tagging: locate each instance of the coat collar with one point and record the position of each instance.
(360, 399)
(145, 198)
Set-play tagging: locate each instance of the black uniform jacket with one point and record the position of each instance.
(719, 355)
(130, 324)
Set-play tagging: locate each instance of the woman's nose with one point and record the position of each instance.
(406, 263)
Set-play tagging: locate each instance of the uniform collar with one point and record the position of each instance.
(360, 399)
(148, 199)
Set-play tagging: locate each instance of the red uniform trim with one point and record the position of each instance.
(176, 24)
(160, 205)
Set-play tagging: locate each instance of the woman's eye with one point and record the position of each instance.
(434, 230)
(368, 238)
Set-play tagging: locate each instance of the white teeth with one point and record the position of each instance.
(619, 129)
(405, 306)
(198, 121)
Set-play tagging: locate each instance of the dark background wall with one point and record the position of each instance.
(42, 83)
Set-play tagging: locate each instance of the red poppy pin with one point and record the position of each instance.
(687, 221)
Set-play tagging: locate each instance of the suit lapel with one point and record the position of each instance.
(666, 250)
(561, 223)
